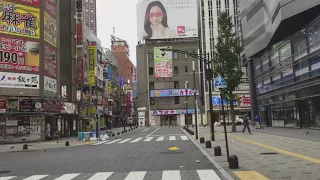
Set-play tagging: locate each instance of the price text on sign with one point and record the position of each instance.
(19, 54)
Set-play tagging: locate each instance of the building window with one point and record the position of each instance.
(150, 70)
(176, 84)
(185, 69)
(151, 85)
(175, 55)
(150, 56)
(299, 45)
(176, 100)
(175, 69)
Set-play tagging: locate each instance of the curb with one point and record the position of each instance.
(211, 159)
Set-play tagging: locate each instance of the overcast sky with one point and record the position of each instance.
(121, 14)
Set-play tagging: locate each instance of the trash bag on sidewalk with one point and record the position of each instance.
(104, 137)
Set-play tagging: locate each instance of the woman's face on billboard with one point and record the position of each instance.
(155, 15)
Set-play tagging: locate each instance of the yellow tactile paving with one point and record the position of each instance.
(250, 175)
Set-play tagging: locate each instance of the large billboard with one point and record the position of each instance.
(172, 92)
(162, 63)
(92, 47)
(167, 19)
(19, 20)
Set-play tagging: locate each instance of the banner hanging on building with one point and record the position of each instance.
(172, 92)
(50, 30)
(92, 47)
(19, 80)
(162, 63)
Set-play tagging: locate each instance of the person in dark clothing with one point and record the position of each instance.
(246, 122)
(170, 120)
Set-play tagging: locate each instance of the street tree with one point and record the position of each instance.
(226, 61)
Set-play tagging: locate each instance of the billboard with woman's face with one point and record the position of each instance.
(167, 19)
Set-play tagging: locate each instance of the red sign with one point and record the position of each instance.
(51, 7)
(163, 69)
(18, 54)
(79, 34)
(79, 70)
(128, 102)
(50, 60)
(245, 101)
(32, 2)
(3, 105)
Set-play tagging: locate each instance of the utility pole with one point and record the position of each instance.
(209, 77)
(97, 112)
(186, 116)
(195, 97)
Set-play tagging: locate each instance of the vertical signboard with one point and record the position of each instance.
(162, 63)
(92, 48)
(121, 81)
(79, 22)
(128, 102)
(79, 43)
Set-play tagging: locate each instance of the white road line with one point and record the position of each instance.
(121, 142)
(136, 140)
(160, 138)
(136, 175)
(7, 178)
(98, 143)
(185, 138)
(113, 141)
(68, 176)
(172, 138)
(208, 175)
(145, 130)
(169, 135)
(101, 175)
(148, 139)
(153, 132)
(36, 177)
(169, 175)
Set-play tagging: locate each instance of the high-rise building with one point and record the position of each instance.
(90, 15)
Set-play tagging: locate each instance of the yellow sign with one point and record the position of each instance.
(92, 48)
(19, 20)
(109, 87)
(50, 30)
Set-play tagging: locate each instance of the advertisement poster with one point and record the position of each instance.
(135, 74)
(18, 80)
(50, 84)
(92, 48)
(51, 7)
(80, 67)
(172, 92)
(26, 22)
(99, 72)
(50, 60)
(50, 30)
(19, 54)
(162, 63)
(31, 2)
(245, 101)
(167, 19)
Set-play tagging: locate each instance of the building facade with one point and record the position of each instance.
(282, 54)
(90, 15)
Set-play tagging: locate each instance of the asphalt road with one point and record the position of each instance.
(152, 156)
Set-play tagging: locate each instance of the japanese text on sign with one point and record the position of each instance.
(92, 48)
(50, 66)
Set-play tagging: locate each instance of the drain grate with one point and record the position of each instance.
(269, 153)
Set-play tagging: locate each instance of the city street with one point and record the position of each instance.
(141, 154)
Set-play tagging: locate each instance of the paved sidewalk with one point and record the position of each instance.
(287, 158)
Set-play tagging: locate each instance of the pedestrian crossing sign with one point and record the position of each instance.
(220, 82)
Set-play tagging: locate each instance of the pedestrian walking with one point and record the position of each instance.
(257, 122)
(170, 120)
(246, 121)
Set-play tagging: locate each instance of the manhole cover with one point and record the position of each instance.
(3, 172)
(268, 153)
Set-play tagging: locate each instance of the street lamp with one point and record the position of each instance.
(195, 97)
(186, 102)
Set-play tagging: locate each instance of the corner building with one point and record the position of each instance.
(281, 41)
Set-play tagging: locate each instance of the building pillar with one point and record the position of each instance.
(253, 91)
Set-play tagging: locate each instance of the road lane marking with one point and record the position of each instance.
(145, 130)
(7, 178)
(101, 175)
(169, 175)
(36, 177)
(136, 175)
(172, 138)
(153, 132)
(136, 140)
(208, 174)
(148, 139)
(279, 150)
(68, 176)
(185, 138)
(160, 138)
(245, 175)
(121, 142)
(169, 135)
(113, 141)
(98, 143)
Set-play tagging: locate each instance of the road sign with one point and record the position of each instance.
(219, 82)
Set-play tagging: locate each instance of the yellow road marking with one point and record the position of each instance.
(250, 175)
(279, 150)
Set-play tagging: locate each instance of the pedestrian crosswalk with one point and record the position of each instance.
(203, 174)
(143, 139)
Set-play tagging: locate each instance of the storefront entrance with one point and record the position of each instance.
(165, 120)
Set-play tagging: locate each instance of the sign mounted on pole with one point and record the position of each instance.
(220, 82)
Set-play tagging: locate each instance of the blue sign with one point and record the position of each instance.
(219, 82)
(109, 73)
(121, 81)
(135, 89)
(216, 101)
(172, 92)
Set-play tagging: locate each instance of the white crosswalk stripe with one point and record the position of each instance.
(148, 139)
(101, 142)
(144, 139)
(126, 140)
(111, 142)
(161, 138)
(185, 138)
(172, 138)
(136, 140)
(203, 174)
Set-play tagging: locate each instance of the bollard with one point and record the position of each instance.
(233, 162)
(126, 131)
(208, 144)
(25, 147)
(217, 151)
(118, 133)
(192, 133)
(202, 140)
(122, 132)
(113, 135)
(66, 143)
(129, 130)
